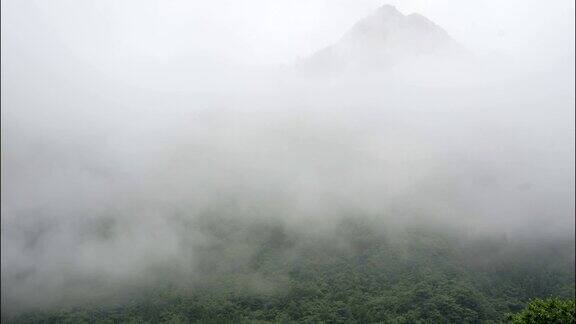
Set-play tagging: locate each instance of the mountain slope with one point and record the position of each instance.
(360, 275)
(383, 40)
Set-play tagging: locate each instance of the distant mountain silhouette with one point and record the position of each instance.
(382, 40)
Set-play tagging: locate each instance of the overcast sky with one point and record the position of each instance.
(269, 32)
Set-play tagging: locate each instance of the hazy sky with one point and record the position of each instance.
(268, 32)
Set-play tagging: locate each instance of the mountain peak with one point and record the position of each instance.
(382, 40)
(388, 10)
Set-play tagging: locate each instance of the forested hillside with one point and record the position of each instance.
(359, 274)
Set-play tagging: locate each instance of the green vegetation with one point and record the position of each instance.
(551, 310)
(355, 275)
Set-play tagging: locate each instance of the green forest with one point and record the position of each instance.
(357, 274)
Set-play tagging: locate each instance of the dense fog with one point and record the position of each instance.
(125, 127)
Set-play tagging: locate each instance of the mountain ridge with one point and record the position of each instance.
(382, 40)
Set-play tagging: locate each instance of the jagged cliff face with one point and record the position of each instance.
(383, 40)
